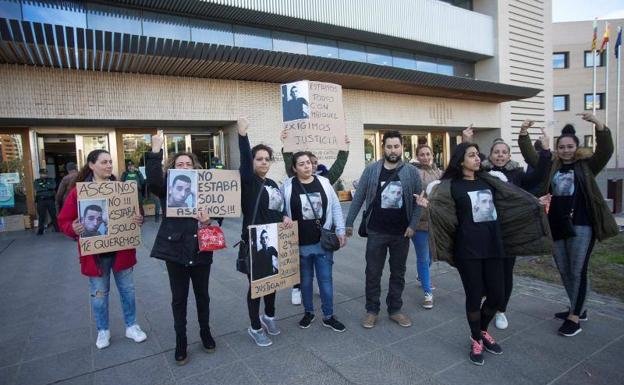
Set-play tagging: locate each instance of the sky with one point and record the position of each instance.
(577, 10)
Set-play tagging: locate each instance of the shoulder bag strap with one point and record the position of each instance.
(318, 222)
(255, 211)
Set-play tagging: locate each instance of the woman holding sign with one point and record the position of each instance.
(176, 243)
(97, 267)
(312, 201)
(262, 203)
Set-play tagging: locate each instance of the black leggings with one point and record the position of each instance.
(253, 307)
(482, 277)
(179, 276)
(508, 266)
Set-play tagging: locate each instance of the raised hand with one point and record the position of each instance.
(524, 127)
(157, 141)
(589, 117)
(243, 126)
(545, 139)
(468, 134)
(421, 200)
(284, 136)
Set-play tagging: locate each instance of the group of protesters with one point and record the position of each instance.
(478, 215)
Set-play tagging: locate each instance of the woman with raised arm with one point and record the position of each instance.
(98, 267)
(262, 202)
(176, 243)
(578, 213)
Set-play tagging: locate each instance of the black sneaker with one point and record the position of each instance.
(306, 320)
(180, 350)
(569, 328)
(564, 315)
(490, 344)
(334, 324)
(208, 343)
(476, 352)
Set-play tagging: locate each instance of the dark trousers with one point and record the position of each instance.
(46, 206)
(253, 307)
(377, 246)
(508, 266)
(482, 277)
(179, 277)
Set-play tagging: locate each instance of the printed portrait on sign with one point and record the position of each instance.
(93, 214)
(182, 188)
(276, 201)
(563, 183)
(295, 101)
(308, 209)
(391, 197)
(483, 209)
(264, 256)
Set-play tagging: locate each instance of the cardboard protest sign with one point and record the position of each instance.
(106, 210)
(274, 258)
(216, 192)
(313, 115)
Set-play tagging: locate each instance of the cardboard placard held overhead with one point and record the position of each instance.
(106, 210)
(216, 192)
(313, 115)
(274, 258)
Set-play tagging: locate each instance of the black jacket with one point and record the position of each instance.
(176, 240)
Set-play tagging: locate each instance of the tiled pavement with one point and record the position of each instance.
(47, 335)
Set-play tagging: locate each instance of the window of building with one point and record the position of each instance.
(561, 102)
(466, 4)
(426, 64)
(249, 37)
(61, 13)
(212, 32)
(560, 60)
(322, 47)
(589, 101)
(588, 141)
(352, 52)
(10, 9)
(589, 59)
(403, 60)
(380, 56)
(159, 25)
(445, 67)
(289, 42)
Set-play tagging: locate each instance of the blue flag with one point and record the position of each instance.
(618, 41)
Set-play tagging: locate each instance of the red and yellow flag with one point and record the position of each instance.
(595, 35)
(605, 38)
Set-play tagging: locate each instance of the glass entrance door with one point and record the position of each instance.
(206, 148)
(87, 143)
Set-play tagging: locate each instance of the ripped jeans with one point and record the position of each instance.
(99, 288)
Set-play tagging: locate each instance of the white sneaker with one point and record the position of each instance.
(501, 321)
(295, 297)
(135, 333)
(103, 339)
(428, 302)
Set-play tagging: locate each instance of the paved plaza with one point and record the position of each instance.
(47, 335)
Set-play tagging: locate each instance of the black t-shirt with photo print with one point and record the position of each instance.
(309, 232)
(478, 231)
(566, 191)
(389, 215)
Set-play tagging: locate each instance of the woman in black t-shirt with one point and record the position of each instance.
(478, 248)
(254, 165)
(312, 201)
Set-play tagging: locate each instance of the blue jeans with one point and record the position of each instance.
(423, 258)
(99, 288)
(313, 257)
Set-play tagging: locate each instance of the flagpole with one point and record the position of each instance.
(594, 97)
(618, 48)
(606, 101)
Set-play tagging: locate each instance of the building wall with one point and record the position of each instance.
(65, 95)
(523, 58)
(576, 80)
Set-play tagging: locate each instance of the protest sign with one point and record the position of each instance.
(274, 258)
(313, 116)
(216, 192)
(10, 177)
(107, 210)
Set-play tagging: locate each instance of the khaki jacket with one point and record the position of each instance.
(428, 174)
(524, 224)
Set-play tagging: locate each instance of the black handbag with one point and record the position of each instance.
(242, 262)
(329, 239)
(362, 229)
(564, 227)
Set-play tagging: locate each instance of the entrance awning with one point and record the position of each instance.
(37, 44)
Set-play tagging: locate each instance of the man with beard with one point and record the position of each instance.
(389, 226)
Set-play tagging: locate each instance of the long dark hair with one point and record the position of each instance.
(455, 168)
(85, 172)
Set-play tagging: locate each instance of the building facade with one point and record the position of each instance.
(107, 74)
(573, 90)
